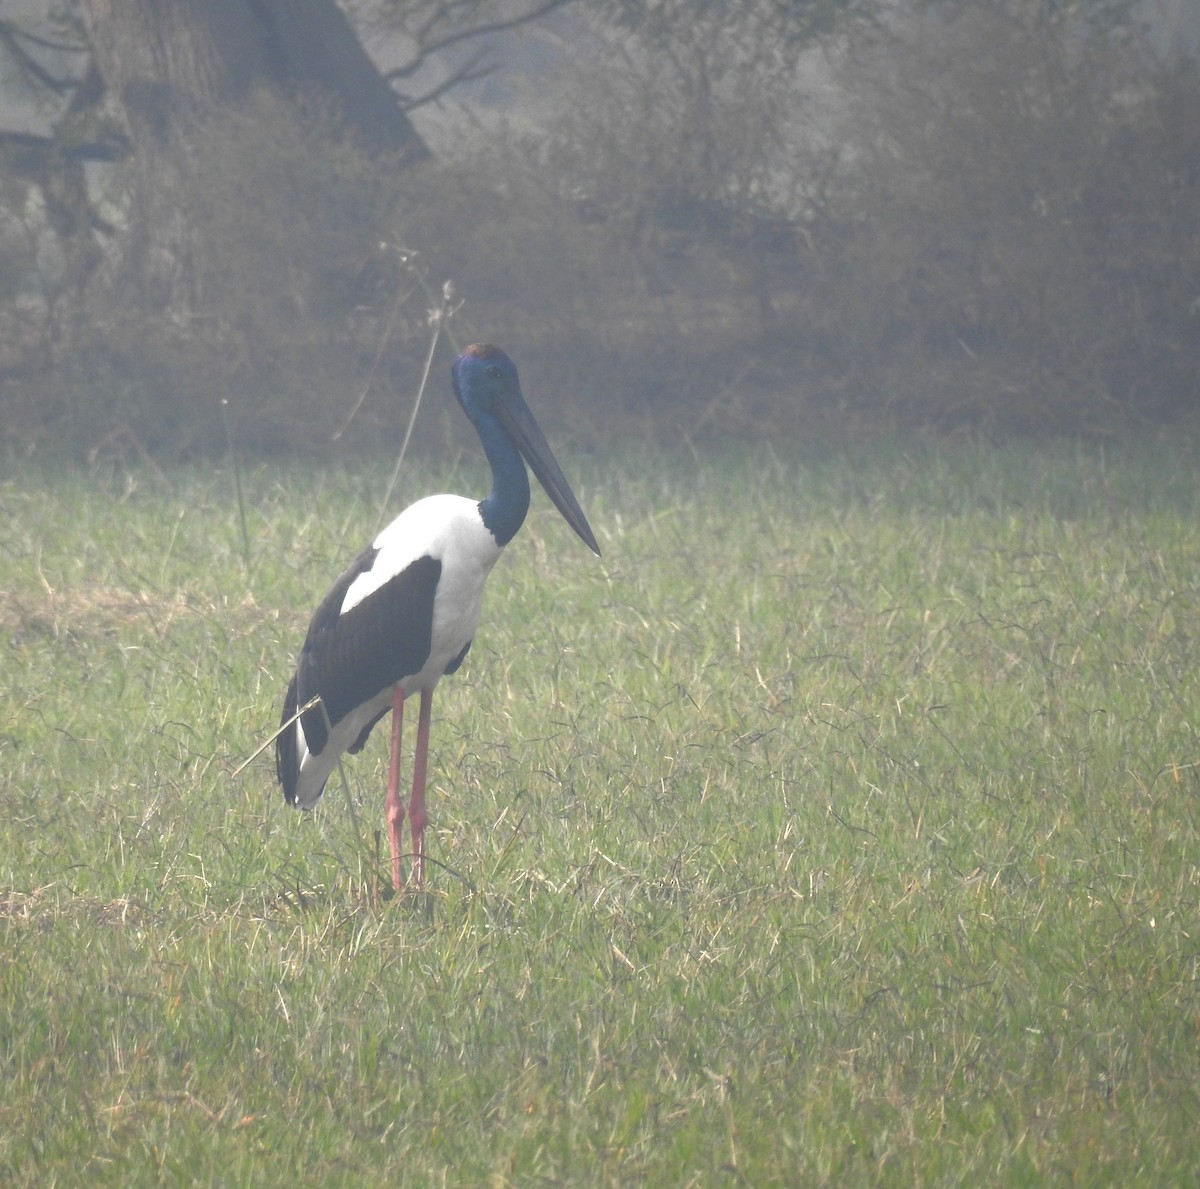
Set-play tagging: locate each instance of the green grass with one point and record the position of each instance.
(840, 826)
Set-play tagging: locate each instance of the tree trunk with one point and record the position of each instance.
(162, 59)
(165, 60)
(171, 66)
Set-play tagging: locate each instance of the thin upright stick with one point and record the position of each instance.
(438, 317)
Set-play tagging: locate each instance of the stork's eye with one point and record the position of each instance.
(494, 372)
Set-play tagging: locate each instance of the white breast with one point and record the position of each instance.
(450, 529)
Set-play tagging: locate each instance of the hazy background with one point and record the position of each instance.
(705, 219)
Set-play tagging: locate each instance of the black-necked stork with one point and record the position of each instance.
(405, 611)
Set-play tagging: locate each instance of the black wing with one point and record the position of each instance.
(287, 762)
(349, 658)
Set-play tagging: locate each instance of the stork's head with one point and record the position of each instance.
(482, 375)
(486, 384)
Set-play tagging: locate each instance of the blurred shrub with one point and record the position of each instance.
(1015, 245)
(684, 149)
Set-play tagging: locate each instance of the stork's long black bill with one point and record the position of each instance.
(529, 439)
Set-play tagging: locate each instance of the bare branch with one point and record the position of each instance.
(13, 40)
(438, 44)
(47, 43)
(472, 72)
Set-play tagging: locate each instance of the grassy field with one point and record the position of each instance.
(840, 826)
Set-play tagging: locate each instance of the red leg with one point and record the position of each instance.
(393, 806)
(417, 816)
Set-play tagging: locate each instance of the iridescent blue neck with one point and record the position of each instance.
(504, 510)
